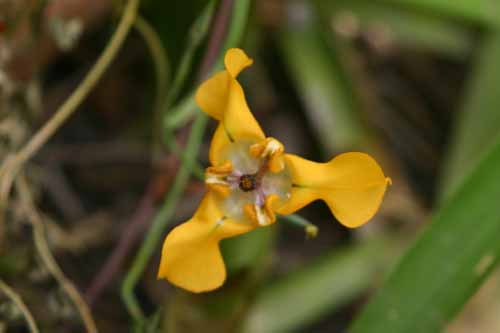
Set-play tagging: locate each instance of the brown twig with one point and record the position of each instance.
(216, 39)
(16, 299)
(131, 234)
(11, 166)
(47, 257)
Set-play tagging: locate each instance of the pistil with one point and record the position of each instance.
(248, 183)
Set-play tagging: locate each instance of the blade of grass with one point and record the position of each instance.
(306, 295)
(196, 36)
(478, 124)
(320, 82)
(407, 28)
(161, 219)
(483, 12)
(447, 264)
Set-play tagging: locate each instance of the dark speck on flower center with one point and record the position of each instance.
(248, 183)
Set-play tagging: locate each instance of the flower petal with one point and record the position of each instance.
(238, 119)
(219, 146)
(191, 257)
(351, 184)
(236, 60)
(212, 96)
(223, 98)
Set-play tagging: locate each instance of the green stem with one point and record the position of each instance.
(159, 56)
(197, 34)
(186, 108)
(310, 229)
(160, 63)
(238, 22)
(162, 218)
(196, 168)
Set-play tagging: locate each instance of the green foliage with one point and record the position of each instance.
(403, 26)
(248, 250)
(303, 296)
(325, 94)
(447, 264)
(482, 12)
(478, 124)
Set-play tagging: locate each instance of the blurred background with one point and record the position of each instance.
(414, 83)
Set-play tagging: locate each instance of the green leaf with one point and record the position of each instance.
(484, 12)
(447, 264)
(303, 296)
(248, 249)
(322, 85)
(478, 124)
(403, 26)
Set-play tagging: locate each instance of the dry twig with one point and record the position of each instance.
(16, 299)
(44, 251)
(14, 163)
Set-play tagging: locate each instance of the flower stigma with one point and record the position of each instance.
(248, 183)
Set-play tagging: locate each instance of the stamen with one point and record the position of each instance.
(263, 215)
(216, 178)
(272, 150)
(223, 169)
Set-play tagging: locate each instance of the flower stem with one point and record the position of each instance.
(161, 219)
(186, 108)
(48, 259)
(310, 229)
(159, 56)
(160, 62)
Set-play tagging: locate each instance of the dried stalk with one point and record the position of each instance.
(16, 299)
(48, 259)
(14, 163)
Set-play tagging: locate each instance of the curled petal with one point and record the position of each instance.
(235, 61)
(213, 95)
(223, 98)
(351, 184)
(191, 257)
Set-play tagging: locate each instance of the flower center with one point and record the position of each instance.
(251, 180)
(248, 183)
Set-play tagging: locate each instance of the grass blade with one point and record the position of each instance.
(478, 125)
(447, 263)
(304, 296)
(322, 85)
(405, 27)
(484, 12)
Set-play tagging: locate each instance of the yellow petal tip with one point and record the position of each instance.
(236, 60)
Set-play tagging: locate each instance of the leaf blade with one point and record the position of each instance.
(446, 264)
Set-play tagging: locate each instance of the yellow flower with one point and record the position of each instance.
(251, 180)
